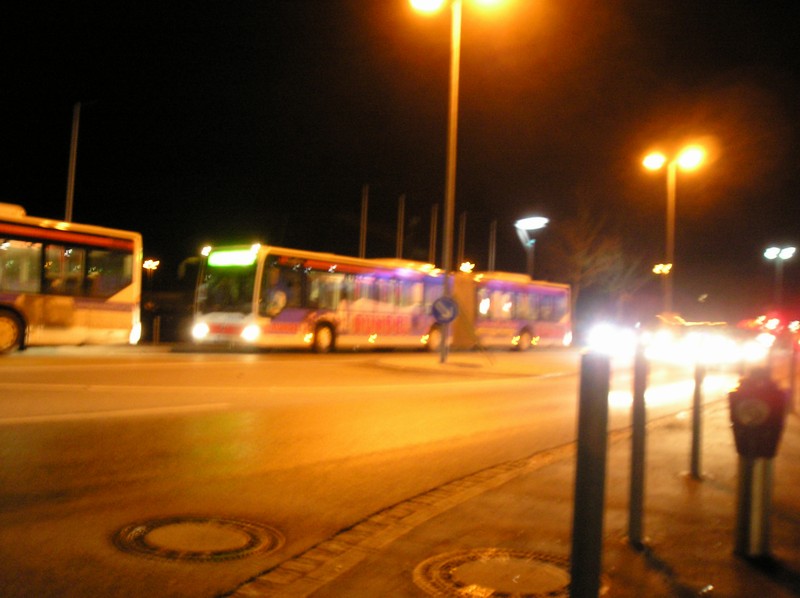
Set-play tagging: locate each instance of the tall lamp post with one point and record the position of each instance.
(524, 228)
(431, 6)
(779, 255)
(689, 158)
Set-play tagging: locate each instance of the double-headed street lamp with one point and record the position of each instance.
(689, 158)
(779, 255)
(525, 227)
(431, 6)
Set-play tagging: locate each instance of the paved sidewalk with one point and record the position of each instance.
(507, 531)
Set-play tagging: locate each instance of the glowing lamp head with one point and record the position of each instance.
(427, 6)
(779, 253)
(691, 157)
(654, 161)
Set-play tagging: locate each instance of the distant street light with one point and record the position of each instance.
(430, 6)
(150, 266)
(525, 227)
(689, 158)
(779, 255)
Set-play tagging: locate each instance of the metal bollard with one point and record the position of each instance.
(695, 468)
(590, 476)
(754, 499)
(638, 440)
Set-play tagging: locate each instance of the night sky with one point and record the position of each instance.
(262, 120)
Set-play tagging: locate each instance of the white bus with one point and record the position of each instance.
(505, 309)
(265, 296)
(63, 283)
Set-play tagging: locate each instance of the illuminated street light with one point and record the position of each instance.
(525, 227)
(662, 269)
(430, 6)
(689, 158)
(779, 255)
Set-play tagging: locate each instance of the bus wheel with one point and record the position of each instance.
(524, 343)
(324, 339)
(10, 332)
(434, 339)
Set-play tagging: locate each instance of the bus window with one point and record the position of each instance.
(107, 272)
(64, 270)
(20, 266)
(547, 311)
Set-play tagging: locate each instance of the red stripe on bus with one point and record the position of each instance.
(32, 232)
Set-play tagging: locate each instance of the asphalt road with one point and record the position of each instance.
(93, 441)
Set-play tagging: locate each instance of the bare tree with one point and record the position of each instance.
(586, 253)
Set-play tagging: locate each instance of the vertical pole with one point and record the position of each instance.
(434, 224)
(590, 476)
(697, 417)
(362, 244)
(73, 158)
(668, 277)
(492, 245)
(462, 234)
(754, 500)
(452, 145)
(401, 217)
(793, 374)
(530, 250)
(778, 282)
(638, 440)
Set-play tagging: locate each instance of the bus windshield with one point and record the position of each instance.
(227, 289)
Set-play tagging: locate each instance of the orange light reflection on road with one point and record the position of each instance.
(681, 392)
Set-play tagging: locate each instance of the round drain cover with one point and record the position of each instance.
(197, 538)
(485, 572)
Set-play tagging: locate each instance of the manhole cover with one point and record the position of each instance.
(197, 538)
(495, 572)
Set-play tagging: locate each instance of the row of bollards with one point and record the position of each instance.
(757, 409)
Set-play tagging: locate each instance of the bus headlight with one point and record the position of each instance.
(251, 333)
(200, 331)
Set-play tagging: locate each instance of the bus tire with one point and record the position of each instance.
(324, 339)
(524, 343)
(434, 339)
(11, 331)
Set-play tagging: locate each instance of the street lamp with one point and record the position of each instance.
(431, 6)
(150, 266)
(779, 255)
(525, 227)
(689, 158)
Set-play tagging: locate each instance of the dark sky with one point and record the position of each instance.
(262, 120)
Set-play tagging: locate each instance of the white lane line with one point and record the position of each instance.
(117, 413)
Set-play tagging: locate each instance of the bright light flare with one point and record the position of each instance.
(532, 223)
(251, 332)
(616, 341)
(427, 6)
(654, 161)
(662, 269)
(779, 253)
(691, 157)
(200, 331)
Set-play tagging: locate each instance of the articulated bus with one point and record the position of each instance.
(503, 309)
(265, 296)
(63, 283)
(275, 297)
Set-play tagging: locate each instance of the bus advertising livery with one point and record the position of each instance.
(263, 296)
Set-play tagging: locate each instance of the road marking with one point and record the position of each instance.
(117, 413)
